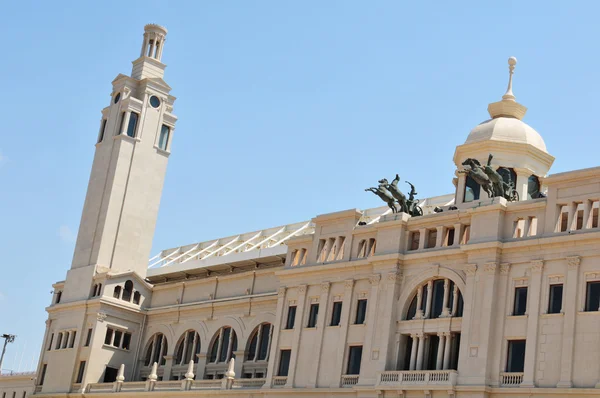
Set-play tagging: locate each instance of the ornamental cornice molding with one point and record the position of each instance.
(490, 268)
(281, 291)
(302, 289)
(325, 287)
(348, 283)
(374, 279)
(395, 276)
(504, 268)
(573, 262)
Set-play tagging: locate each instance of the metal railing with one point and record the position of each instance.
(511, 379)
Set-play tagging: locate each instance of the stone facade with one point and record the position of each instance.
(480, 298)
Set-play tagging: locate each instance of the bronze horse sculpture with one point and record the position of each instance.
(390, 194)
(385, 195)
(478, 174)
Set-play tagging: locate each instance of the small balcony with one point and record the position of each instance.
(349, 380)
(511, 379)
(396, 378)
(279, 381)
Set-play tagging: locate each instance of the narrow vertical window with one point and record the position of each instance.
(592, 298)
(102, 128)
(313, 315)
(58, 341)
(108, 337)
(88, 338)
(72, 341)
(336, 314)
(131, 127)
(555, 299)
(50, 342)
(516, 356)
(291, 317)
(163, 139)
(43, 374)
(117, 339)
(58, 296)
(284, 362)
(126, 341)
(520, 305)
(361, 311)
(354, 358)
(80, 372)
(120, 130)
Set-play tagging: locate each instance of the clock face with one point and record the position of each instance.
(117, 97)
(154, 101)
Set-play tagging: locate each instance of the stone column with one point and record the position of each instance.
(533, 315)
(321, 322)
(279, 319)
(345, 321)
(522, 183)
(487, 317)
(428, 304)
(201, 365)
(440, 352)
(457, 233)
(422, 238)
(445, 309)
(413, 351)
(587, 212)
(570, 310)
(421, 351)
(239, 362)
(454, 301)
(370, 326)
(460, 188)
(572, 219)
(125, 123)
(439, 236)
(447, 353)
(298, 326)
(168, 367)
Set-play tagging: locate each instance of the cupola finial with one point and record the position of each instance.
(512, 61)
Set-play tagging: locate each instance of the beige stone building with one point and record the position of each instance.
(479, 297)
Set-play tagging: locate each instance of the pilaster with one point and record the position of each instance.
(371, 324)
(499, 329)
(279, 316)
(570, 310)
(464, 357)
(168, 366)
(201, 365)
(299, 325)
(533, 312)
(321, 321)
(345, 322)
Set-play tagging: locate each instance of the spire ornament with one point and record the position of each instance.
(508, 106)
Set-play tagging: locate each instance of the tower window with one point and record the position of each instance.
(163, 139)
(88, 338)
(43, 374)
(120, 130)
(117, 97)
(533, 187)
(127, 291)
(336, 315)
(555, 302)
(80, 372)
(101, 136)
(361, 311)
(291, 317)
(133, 119)
(313, 315)
(154, 101)
(472, 190)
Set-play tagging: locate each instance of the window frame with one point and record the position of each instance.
(288, 352)
(336, 313)
(313, 316)
(516, 311)
(293, 319)
(551, 296)
(509, 354)
(358, 311)
(349, 366)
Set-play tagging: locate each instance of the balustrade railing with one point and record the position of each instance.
(206, 384)
(349, 380)
(425, 377)
(511, 379)
(248, 383)
(279, 381)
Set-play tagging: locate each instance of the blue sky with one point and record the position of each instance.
(286, 110)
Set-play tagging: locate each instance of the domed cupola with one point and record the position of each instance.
(518, 151)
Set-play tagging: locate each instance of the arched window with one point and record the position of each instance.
(260, 343)
(156, 351)
(187, 348)
(472, 190)
(136, 297)
(223, 346)
(128, 291)
(446, 301)
(117, 292)
(533, 187)
(508, 175)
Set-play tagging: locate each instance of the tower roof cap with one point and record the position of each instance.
(152, 27)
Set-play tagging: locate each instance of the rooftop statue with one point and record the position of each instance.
(490, 180)
(395, 199)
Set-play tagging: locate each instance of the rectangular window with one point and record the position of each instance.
(131, 127)
(431, 238)
(415, 237)
(163, 139)
(284, 362)
(108, 337)
(110, 374)
(59, 341)
(555, 301)
(50, 342)
(449, 241)
(88, 338)
(336, 315)
(101, 136)
(117, 339)
(291, 317)
(361, 312)
(72, 341)
(592, 298)
(354, 358)
(516, 356)
(43, 374)
(313, 315)
(80, 372)
(520, 305)
(120, 130)
(126, 341)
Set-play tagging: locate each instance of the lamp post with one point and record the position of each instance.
(8, 338)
